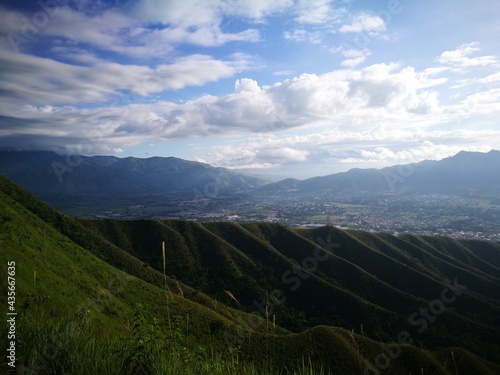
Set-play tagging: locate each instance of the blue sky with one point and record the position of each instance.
(283, 88)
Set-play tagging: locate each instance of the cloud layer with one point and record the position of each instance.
(99, 78)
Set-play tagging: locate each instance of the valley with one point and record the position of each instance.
(451, 197)
(451, 216)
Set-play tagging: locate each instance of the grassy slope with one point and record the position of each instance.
(97, 311)
(59, 280)
(367, 279)
(376, 281)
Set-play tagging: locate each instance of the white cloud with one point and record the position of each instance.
(427, 150)
(34, 80)
(302, 35)
(206, 36)
(188, 13)
(486, 101)
(325, 149)
(495, 77)
(347, 100)
(129, 32)
(388, 104)
(259, 9)
(246, 84)
(459, 58)
(282, 154)
(286, 72)
(256, 154)
(316, 12)
(365, 23)
(353, 57)
(193, 70)
(191, 13)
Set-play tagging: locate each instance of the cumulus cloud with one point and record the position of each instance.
(94, 105)
(329, 151)
(256, 154)
(246, 84)
(351, 101)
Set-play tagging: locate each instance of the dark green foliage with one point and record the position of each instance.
(79, 313)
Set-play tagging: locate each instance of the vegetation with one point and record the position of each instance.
(92, 296)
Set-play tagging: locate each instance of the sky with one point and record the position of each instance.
(282, 88)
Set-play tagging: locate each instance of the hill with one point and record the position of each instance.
(91, 297)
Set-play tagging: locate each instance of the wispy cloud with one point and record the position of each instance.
(352, 57)
(34, 80)
(317, 12)
(302, 35)
(365, 23)
(459, 57)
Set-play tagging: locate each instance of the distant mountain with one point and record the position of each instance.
(84, 186)
(48, 174)
(465, 174)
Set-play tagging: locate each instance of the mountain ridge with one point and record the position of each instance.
(83, 177)
(460, 174)
(345, 292)
(48, 172)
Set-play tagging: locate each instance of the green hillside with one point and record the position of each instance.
(91, 298)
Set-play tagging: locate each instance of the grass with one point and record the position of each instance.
(74, 346)
(87, 306)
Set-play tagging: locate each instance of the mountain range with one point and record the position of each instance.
(50, 174)
(54, 177)
(104, 296)
(464, 174)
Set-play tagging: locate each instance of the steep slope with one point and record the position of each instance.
(78, 313)
(82, 236)
(63, 289)
(327, 276)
